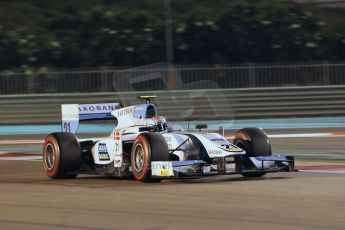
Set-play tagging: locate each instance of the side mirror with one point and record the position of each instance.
(201, 126)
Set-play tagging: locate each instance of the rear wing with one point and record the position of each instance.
(71, 114)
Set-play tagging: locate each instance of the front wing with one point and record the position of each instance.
(222, 166)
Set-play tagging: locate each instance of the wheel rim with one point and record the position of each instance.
(139, 157)
(240, 144)
(49, 156)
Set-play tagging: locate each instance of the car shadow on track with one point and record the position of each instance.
(222, 179)
(200, 180)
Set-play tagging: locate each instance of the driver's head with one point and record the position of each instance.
(160, 122)
(151, 111)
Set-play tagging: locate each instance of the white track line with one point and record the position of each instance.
(324, 171)
(12, 142)
(23, 158)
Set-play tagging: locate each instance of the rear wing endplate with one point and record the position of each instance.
(71, 114)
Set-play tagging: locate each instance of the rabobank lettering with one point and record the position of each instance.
(98, 108)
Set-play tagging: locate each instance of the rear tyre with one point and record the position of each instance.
(256, 143)
(147, 147)
(61, 155)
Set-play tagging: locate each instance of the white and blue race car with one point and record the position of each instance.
(145, 146)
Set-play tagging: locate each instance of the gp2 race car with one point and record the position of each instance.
(145, 146)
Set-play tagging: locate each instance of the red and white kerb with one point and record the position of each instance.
(117, 136)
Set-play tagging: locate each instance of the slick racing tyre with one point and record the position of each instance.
(61, 155)
(256, 143)
(147, 147)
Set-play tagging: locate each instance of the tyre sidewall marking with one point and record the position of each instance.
(144, 170)
(241, 136)
(52, 140)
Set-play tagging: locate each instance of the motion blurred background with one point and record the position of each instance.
(230, 64)
(275, 64)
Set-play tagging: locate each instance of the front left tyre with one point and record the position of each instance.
(61, 155)
(147, 147)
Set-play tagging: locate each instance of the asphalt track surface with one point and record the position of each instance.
(30, 200)
(299, 200)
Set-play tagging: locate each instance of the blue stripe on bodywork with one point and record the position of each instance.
(274, 158)
(185, 163)
(92, 116)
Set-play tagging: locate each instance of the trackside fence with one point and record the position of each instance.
(163, 76)
(219, 104)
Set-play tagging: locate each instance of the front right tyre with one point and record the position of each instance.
(256, 143)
